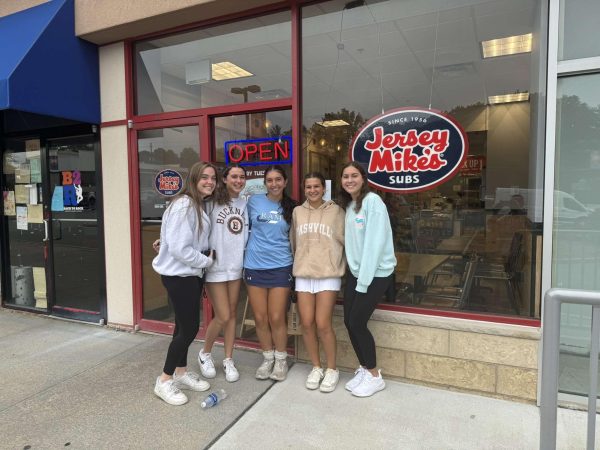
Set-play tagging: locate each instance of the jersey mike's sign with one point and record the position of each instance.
(168, 182)
(410, 150)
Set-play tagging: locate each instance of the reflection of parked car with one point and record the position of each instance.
(570, 211)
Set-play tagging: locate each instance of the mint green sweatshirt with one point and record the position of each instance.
(369, 241)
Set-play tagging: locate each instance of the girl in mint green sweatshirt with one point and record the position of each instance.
(371, 262)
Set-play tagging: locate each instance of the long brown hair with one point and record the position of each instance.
(221, 195)
(190, 188)
(345, 198)
(287, 203)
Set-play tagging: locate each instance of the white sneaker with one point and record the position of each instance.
(169, 392)
(231, 373)
(280, 370)
(355, 381)
(314, 378)
(265, 369)
(190, 380)
(369, 385)
(332, 376)
(207, 365)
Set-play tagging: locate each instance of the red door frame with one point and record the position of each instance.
(203, 118)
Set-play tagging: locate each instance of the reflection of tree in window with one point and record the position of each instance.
(188, 157)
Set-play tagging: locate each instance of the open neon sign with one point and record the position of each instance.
(256, 152)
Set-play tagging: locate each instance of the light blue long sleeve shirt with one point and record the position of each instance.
(369, 241)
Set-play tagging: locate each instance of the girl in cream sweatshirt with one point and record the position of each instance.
(317, 238)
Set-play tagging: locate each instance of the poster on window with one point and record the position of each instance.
(254, 183)
(22, 193)
(23, 174)
(9, 203)
(22, 218)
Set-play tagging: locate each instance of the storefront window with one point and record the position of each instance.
(576, 236)
(579, 32)
(241, 62)
(472, 241)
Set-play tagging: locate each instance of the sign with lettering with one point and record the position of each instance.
(72, 190)
(410, 150)
(168, 182)
(256, 152)
(473, 166)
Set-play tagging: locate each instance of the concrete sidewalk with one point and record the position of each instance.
(69, 384)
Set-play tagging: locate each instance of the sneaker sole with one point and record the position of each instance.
(189, 388)
(327, 390)
(312, 387)
(379, 388)
(232, 380)
(278, 378)
(170, 402)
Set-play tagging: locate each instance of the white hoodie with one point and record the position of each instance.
(181, 245)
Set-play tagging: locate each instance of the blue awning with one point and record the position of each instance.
(45, 68)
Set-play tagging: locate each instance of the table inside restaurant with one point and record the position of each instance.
(413, 268)
(457, 245)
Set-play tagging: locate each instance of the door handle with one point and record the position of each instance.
(46, 230)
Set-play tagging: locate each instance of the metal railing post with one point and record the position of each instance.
(549, 388)
(593, 392)
(553, 301)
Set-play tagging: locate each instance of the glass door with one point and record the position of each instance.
(165, 156)
(24, 256)
(76, 237)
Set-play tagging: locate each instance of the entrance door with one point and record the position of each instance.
(76, 238)
(54, 259)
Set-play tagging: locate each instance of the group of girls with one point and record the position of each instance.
(203, 236)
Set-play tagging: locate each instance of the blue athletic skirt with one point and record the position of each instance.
(270, 278)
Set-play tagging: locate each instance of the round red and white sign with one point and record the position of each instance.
(410, 150)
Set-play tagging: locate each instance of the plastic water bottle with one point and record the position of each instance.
(214, 398)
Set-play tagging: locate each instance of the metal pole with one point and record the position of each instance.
(549, 388)
(593, 391)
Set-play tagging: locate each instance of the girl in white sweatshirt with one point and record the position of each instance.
(182, 259)
(228, 236)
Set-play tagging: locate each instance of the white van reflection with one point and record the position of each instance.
(569, 212)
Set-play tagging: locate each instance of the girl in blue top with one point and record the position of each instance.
(268, 270)
(371, 263)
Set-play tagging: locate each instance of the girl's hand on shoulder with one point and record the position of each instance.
(156, 245)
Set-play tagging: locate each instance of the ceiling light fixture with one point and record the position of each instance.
(508, 98)
(227, 71)
(510, 45)
(333, 123)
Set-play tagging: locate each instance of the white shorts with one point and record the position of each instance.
(314, 285)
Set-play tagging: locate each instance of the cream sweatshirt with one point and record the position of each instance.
(317, 238)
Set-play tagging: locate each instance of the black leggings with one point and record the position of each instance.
(358, 308)
(185, 295)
